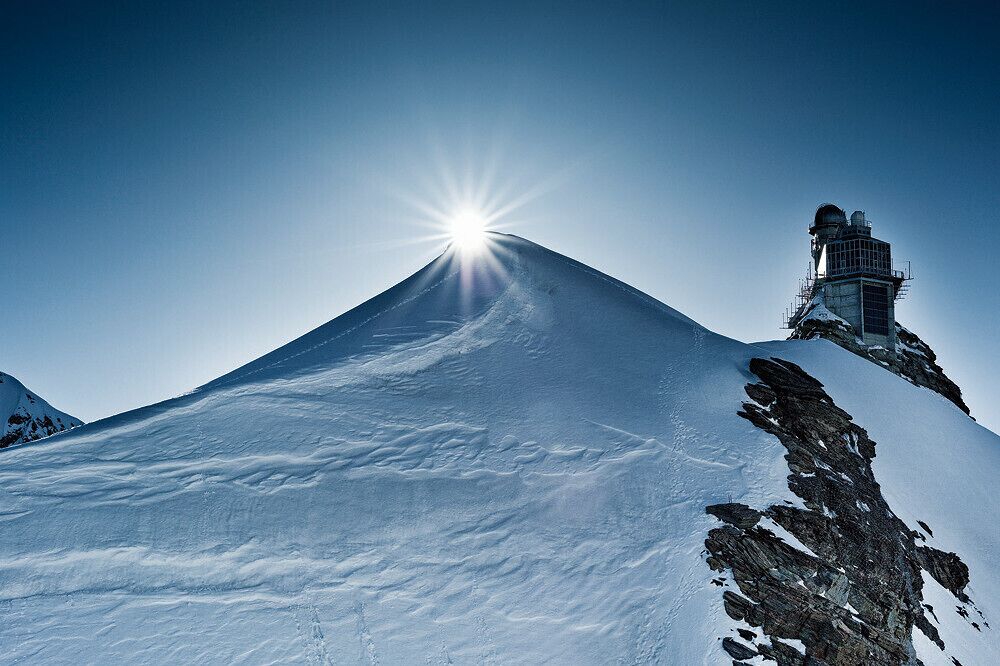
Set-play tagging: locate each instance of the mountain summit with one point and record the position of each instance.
(25, 416)
(512, 457)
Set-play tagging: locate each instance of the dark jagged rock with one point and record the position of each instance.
(856, 597)
(785, 655)
(739, 515)
(737, 607)
(913, 359)
(947, 569)
(737, 650)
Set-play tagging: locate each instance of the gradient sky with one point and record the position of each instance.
(186, 186)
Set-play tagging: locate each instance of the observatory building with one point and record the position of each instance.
(851, 275)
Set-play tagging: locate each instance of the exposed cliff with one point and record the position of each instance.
(838, 580)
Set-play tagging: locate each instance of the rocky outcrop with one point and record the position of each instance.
(24, 417)
(913, 359)
(841, 575)
(918, 363)
(739, 515)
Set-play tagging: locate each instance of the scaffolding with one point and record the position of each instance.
(807, 291)
(810, 284)
(901, 282)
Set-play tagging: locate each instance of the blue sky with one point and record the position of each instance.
(185, 187)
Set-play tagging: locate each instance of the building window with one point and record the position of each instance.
(875, 299)
(854, 257)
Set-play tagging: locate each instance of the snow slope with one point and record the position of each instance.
(25, 417)
(503, 459)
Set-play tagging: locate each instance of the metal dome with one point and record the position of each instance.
(829, 215)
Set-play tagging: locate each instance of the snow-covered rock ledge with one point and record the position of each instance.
(913, 359)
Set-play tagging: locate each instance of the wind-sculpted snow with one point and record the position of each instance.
(500, 460)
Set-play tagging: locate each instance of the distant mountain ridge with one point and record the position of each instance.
(27, 417)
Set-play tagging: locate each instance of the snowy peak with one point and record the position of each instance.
(453, 290)
(26, 417)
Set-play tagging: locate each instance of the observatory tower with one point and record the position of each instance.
(852, 276)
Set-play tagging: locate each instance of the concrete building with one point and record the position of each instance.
(852, 276)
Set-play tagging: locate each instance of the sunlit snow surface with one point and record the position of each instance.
(496, 461)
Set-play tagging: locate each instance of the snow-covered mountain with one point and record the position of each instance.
(512, 458)
(26, 417)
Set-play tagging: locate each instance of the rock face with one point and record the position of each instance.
(850, 590)
(26, 417)
(913, 359)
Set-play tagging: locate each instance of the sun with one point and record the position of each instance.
(468, 229)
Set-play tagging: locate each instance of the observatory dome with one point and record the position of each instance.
(828, 215)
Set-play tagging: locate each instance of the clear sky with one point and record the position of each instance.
(186, 186)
